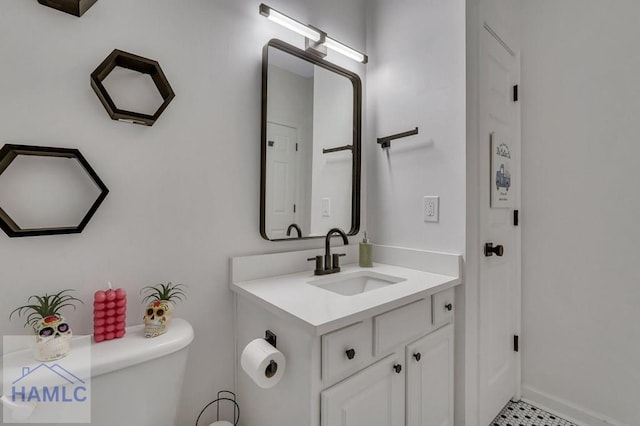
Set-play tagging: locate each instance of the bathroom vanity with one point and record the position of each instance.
(363, 347)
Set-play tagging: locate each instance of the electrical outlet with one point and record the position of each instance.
(430, 208)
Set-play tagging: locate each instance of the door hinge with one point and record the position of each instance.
(515, 93)
(516, 343)
(294, 208)
(516, 218)
(296, 146)
(271, 143)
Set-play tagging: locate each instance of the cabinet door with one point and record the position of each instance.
(372, 397)
(430, 379)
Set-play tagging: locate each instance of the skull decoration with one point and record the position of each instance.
(53, 338)
(157, 317)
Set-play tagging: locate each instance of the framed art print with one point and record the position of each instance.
(502, 194)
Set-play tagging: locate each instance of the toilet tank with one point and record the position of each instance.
(133, 380)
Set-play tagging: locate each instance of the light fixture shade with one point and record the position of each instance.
(290, 23)
(345, 50)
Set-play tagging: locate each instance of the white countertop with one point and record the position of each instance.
(322, 311)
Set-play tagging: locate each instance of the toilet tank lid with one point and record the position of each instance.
(134, 348)
(116, 354)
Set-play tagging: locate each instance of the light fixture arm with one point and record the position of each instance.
(318, 48)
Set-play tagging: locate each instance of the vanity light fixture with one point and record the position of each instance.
(290, 23)
(316, 39)
(345, 50)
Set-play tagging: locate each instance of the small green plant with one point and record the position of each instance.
(170, 292)
(45, 306)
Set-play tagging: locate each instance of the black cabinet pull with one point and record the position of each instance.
(351, 353)
(490, 250)
(448, 307)
(397, 368)
(417, 356)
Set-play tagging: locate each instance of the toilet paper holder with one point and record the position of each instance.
(270, 337)
(219, 398)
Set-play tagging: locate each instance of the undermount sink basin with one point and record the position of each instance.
(352, 283)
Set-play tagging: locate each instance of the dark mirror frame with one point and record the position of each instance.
(357, 133)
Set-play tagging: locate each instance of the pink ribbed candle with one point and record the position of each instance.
(109, 314)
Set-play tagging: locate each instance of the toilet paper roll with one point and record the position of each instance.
(263, 363)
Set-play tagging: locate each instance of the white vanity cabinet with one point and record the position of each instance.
(393, 369)
(382, 356)
(418, 377)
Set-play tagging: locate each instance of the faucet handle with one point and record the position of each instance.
(318, 260)
(335, 262)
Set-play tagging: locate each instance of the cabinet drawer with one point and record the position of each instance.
(346, 349)
(402, 324)
(443, 307)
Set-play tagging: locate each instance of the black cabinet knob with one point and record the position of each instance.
(490, 250)
(448, 307)
(351, 353)
(397, 368)
(417, 356)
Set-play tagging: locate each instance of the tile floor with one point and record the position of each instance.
(523, 414)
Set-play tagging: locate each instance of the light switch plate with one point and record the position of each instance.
(326, 207)
(431, 208)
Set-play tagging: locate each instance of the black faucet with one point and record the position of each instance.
(331, 262)
(296, 227)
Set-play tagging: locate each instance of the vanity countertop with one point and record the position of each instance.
(322, 311)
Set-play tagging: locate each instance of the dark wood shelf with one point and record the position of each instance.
(118, 58)
(72, 7)
(9, 152)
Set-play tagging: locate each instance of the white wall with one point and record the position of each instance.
(185, 192)
(416, 77)
(580, 109)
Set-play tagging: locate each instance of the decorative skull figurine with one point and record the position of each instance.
(157, 317)
(53, 338)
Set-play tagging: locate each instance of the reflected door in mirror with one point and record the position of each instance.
(281, 206)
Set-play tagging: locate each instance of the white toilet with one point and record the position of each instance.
(134, 380)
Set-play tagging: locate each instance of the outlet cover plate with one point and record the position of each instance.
(431, 208)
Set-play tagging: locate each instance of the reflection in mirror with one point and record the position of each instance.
(46, 192)
(310, 145)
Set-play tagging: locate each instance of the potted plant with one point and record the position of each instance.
(159, 311)
(53, 333)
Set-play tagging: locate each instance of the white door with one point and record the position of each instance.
(372, 397)
(430, 379)
(499, 280)
(281, 180)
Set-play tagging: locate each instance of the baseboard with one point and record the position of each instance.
(565, 409)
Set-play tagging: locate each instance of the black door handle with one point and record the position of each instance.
(351, 353)
(417, 356)
(448, 307)
(397, 368)
(490, 250)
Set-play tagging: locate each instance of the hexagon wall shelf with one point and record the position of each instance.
(9, 152)
(118, 58)
(73, 7)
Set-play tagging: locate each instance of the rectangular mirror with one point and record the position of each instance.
(311, 145)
